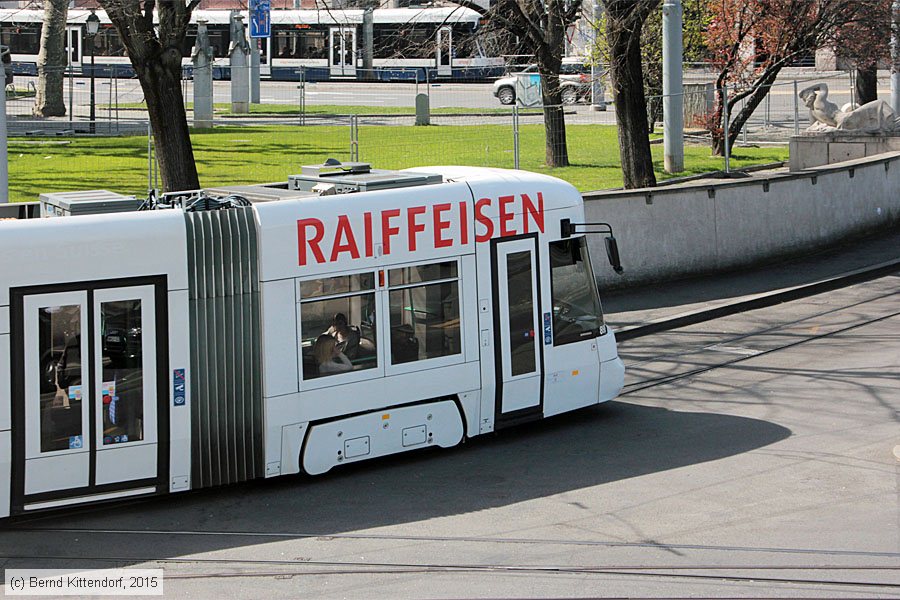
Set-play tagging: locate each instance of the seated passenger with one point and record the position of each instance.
(329, 358)
(347, 336)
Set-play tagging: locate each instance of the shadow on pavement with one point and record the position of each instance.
(587, 448)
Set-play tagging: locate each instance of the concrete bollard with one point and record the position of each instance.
(423, 110)
(239, 54)
(202, 57)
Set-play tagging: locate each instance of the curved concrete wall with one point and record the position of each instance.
(711, 225)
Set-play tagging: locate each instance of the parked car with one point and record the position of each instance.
(574, 79)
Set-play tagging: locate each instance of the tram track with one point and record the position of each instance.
(723, 573)
(459, 539)
(643, 384)
(798, 576)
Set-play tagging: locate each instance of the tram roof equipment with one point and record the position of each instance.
(88, 202)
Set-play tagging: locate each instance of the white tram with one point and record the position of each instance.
(405, 44)
(343, 316)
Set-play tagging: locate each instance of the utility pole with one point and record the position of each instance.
(673, 88)
(368, 31)
(895, 56)
(254, 70)
(598, 99)
(4, 160)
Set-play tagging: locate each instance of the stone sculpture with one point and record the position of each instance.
(873, 117)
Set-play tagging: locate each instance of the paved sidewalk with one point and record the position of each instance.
(639, 311)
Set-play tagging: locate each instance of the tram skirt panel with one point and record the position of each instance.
(226, 409)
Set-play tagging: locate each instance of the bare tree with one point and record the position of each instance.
(864, 42)
(624, 23)
(51, 63)
(541, 27)
(753, 40)
(155, 54)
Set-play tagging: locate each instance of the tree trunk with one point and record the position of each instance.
(51, 63)
(866, 84)
(557, 151)
(738, 119)
(631, 105)
(161, 81)
(549, 61)
(654, 113)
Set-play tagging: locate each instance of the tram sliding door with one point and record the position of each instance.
(87, 405)
(73, 45)
(517, 329)
(265, 51)
(342, 58)
(444, 52)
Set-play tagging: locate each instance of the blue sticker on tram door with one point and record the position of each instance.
(75, 442)
(548, 329)
(178, 387)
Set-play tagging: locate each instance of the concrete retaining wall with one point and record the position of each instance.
(712, 225)
(809, 151)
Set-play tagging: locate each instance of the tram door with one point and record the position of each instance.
(444, 52)
(517, 329)
(73, 46)
(265, 51)
(87, 406)
(342, 58)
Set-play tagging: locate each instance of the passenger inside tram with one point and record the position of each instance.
(347, 336)
(329, 358)
(342, 309)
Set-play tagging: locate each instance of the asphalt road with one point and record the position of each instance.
(750, 456)
(473, 96)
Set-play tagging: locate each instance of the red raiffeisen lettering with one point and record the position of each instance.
(418, 227)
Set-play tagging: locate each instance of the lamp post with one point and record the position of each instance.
(93, 26)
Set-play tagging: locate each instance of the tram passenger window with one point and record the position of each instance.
(23, 38)
(337, 325)
(424, 309)
(576, 302)
(59, 333)
(122, 387)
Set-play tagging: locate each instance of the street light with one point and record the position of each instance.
(93, 26)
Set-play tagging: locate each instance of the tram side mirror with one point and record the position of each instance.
(612, 252)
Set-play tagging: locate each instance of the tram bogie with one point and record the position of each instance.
(158, 351)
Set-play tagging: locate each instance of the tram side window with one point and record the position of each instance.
(424, 309)
(219, 41)
(576, 302)
(59, 333)
(107, 42)
(23, 38)
(338, 325)
(299, 43)
(122, 388)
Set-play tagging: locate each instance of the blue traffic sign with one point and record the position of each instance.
(260, 19)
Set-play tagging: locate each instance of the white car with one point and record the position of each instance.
(574, 79)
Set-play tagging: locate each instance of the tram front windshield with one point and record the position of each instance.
(576, 302)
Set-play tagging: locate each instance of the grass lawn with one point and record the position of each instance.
(232, 155)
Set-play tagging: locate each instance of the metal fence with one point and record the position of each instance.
(304, 122)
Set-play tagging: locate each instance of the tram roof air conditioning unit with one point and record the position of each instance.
(349, 177)
(89, 202)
